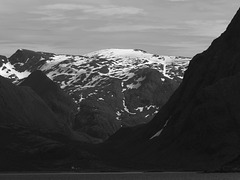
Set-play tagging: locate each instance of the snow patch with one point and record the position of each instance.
(160, 131)
(139, 109)
(118, 113)
(137, 85)
(125, 107)
(81, 98)
(8, 69)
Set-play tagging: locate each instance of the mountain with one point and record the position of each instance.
(111, 88)
(198, 128)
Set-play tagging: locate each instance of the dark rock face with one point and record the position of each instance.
(198, 128)
(59, 102)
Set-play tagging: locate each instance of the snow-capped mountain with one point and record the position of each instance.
(112, 88)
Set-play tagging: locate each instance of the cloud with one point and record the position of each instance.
(103, 10)
(53, 17)
(46, 15)
(66, 7)
(132, 28)
(112, 10)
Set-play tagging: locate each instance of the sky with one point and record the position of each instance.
(164, 27)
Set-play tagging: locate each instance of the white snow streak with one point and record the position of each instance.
(160, 131)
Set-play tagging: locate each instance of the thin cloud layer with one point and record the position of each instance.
(68, 12)
(132, 28)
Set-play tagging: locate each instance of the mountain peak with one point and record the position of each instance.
(22, 52)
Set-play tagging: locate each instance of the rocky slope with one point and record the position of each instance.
(111, 88)
(198, 128)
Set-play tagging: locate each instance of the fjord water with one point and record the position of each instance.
(125, 176)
